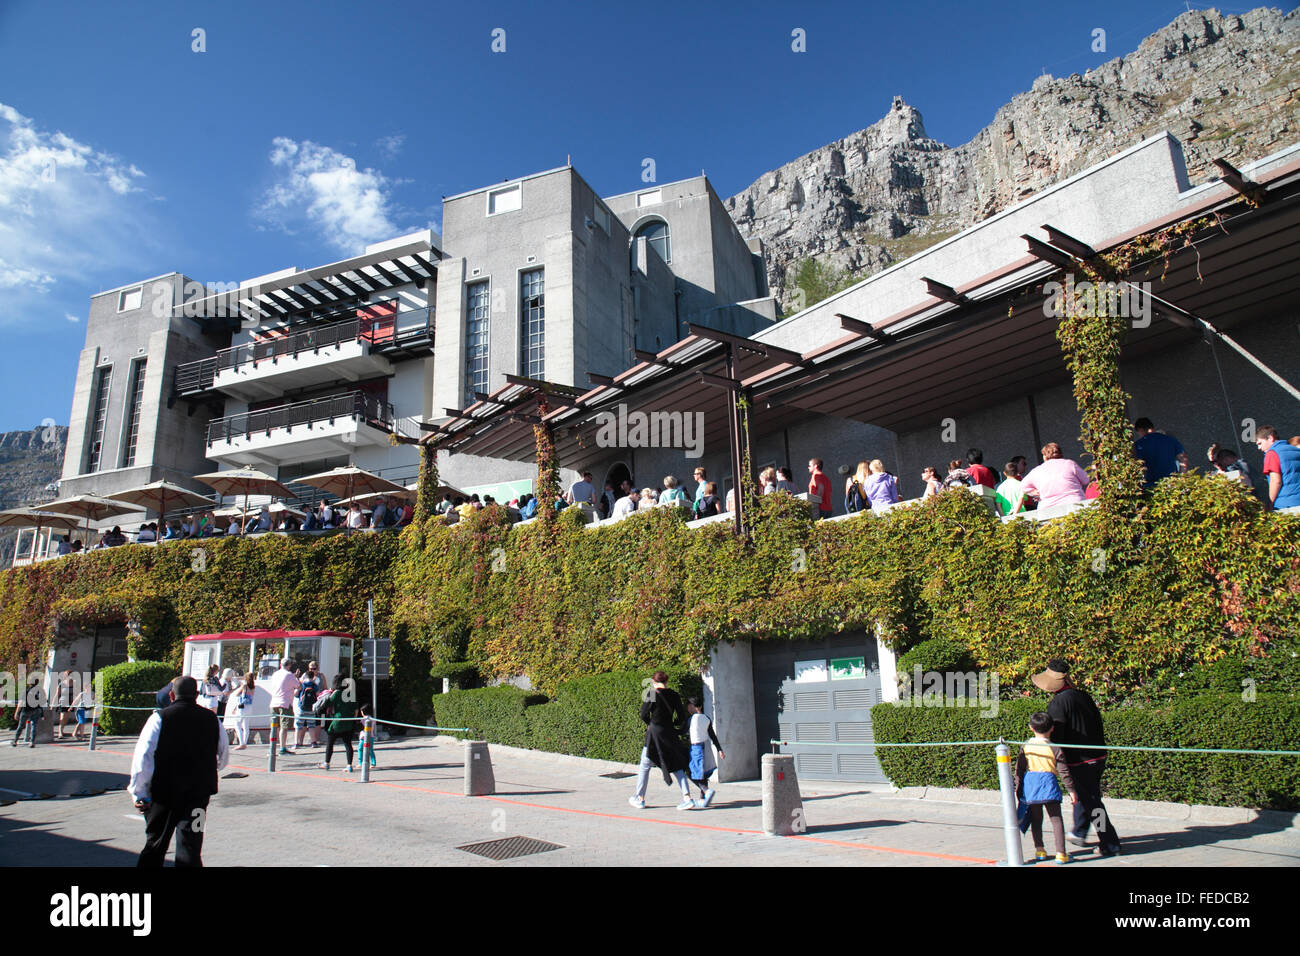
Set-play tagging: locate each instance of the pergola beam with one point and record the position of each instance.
(1041, 250)
(1239, 183)
(1069, 244)
(945, 292)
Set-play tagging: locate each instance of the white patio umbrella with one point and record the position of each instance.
(90, 508)
(348, 482)
(20, 518)
(245, 481)
(157, 495)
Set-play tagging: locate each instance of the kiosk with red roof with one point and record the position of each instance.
(262, 651)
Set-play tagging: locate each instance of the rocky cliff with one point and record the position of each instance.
(29, 462)
(1226, 86)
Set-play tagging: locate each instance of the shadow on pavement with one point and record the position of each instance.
(861, 825)
(22, 843)
(62, 783)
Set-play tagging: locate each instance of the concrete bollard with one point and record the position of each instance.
(782, 804)
(478, 769)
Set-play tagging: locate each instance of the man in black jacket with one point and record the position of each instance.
(665, 719)
(1076, 720)
(174, 773)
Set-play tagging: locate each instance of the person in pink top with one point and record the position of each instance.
(283, 685)
(1057, 481)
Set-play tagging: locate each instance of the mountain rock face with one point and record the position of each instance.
(29, 462)
(1227, 86)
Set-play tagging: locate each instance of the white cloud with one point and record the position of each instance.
(391, 145)
(320, 188)
(70, 317)
(69, 219)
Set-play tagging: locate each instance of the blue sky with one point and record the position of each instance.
(306, 129)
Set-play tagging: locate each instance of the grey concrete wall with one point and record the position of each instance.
(729, 699)
(170, 441)
(713, 264)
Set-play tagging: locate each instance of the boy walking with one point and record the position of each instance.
(1037, 768)
(702, 763)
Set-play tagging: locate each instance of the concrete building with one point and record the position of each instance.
(301, 370)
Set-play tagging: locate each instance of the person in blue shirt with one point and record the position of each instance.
(1161, 454)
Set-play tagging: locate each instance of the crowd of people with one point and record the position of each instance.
(386, 513)
(1056, 481)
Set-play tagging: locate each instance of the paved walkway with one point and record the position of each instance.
(414, 814)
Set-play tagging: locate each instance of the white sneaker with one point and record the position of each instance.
(636, 802)
(708, 797)
(686, 804)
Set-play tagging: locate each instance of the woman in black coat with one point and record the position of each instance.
(665, 718)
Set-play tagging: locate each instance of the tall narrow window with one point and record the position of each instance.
(133, 412)
(98, 417)
(532, 307)
(476, 339)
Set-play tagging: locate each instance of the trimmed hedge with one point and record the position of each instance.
(1269, 722)
(936, 654)
(495, 714)
(124, 686)
(597, 716)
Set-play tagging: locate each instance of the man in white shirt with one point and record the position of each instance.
(627, 504)
(283, 686)
(582, 490)
(174, 774)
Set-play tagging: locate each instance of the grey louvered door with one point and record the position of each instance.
(819, 707)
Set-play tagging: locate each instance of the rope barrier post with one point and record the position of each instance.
(479, 779)
(274, 744)
(94, 729)
(782, 803)
(1010, 823)
(367, 734)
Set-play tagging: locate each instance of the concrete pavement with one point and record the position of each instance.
(414, 813)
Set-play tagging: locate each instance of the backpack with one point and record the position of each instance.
(307, 696)
(321, 707)
(853, 500)
(390, 517)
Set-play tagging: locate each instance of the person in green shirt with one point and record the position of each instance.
(1009, 494)
(341, 706)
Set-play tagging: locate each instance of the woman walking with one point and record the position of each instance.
(342, 724)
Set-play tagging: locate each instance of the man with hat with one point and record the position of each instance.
(174, 773)
(1076, 720)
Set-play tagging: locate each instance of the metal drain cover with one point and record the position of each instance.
(509, 847)
(616, 775)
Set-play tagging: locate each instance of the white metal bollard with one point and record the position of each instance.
(1010, 823)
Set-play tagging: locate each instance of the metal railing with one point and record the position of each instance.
(361, 406)
(376, 331)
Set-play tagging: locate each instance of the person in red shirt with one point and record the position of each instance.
(819, 487)
(980, 474)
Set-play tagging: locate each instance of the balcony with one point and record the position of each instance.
(354, 349)
(303, 431)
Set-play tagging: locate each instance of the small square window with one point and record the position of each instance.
(504, 200)
(650, 198)
(130, 299)
(601, 215)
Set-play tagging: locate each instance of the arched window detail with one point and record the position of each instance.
(656, 236)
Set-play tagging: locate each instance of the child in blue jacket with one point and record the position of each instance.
(1037, 769)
